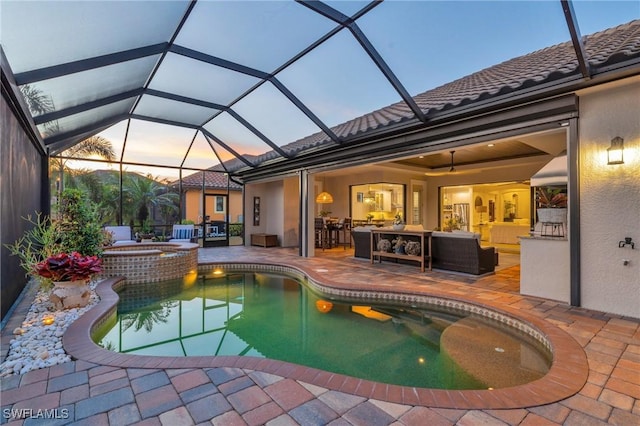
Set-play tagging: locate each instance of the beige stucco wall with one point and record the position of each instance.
(279, 210)
(610, 199)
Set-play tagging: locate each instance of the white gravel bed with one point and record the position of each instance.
(36, 345)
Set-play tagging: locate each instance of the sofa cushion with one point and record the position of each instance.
(456, 234)
(362, 228)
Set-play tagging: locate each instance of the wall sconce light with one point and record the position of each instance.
(615, 151)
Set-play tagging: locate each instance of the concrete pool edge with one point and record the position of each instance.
(567, 375)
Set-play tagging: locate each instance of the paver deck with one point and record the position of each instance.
(88, 392)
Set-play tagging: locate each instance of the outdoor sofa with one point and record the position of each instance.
(451, 251)
(461, 252)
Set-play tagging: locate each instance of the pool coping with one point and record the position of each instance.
(567, 375)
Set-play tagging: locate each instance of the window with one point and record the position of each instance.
(220, 207)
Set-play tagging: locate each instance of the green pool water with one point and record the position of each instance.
(278, 317)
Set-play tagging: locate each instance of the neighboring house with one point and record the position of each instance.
(220, 196)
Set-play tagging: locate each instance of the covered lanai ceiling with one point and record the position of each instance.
(196, 83)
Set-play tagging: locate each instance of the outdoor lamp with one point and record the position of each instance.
(615, 151)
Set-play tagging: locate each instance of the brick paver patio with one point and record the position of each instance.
(83, 392)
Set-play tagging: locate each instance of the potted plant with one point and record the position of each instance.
(324, 213)
(551, 205)
(146, 234)
(70, 274)
(44, 249)
(451, 224)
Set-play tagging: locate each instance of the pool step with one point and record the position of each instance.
(425, 326)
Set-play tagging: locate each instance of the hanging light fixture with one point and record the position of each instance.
(324, 198)
(452, 169)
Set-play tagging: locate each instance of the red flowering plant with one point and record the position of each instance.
(68, 267)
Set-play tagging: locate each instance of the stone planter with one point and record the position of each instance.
(70, 294)
(557, 215)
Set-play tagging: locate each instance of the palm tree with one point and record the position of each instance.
(95, 145)
(149, 316)
(146, 193)
(40, 103)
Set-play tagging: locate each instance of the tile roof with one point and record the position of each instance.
(603, 49)
(217, 180)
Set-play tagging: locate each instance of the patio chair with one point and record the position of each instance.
(183, 234)
(120, 234)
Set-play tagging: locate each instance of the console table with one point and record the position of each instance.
(264, 240)
(422, 259)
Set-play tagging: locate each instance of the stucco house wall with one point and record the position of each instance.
(193, 205)
(272, 207)
(610, 198)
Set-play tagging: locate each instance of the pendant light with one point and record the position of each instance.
(452, 169)
(324, 198)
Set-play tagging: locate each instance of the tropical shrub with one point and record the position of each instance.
(79, 227)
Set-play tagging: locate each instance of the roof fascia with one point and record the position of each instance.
(576, 38)
(60, 70)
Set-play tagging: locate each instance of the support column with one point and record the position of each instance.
(304, 213)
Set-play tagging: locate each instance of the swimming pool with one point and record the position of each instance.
(274, 316)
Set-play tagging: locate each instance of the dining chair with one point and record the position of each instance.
(344, 228)
(320, 232)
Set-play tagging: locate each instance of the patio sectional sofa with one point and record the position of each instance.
(451, 251)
